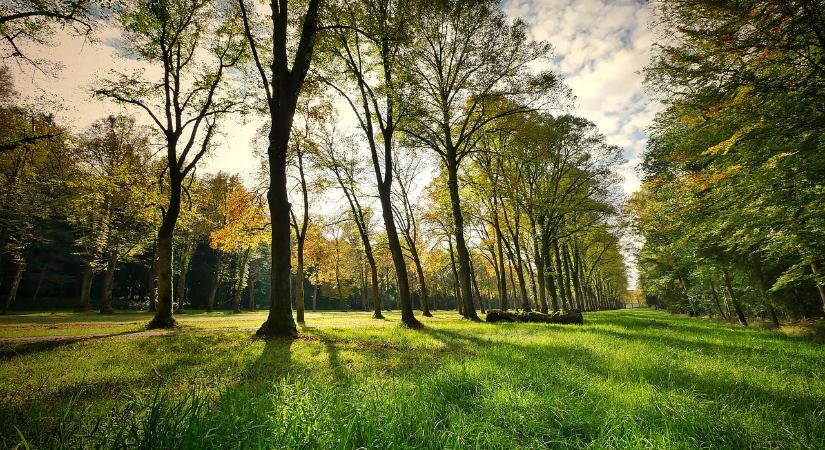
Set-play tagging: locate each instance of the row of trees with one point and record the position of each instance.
(521, 201)
(731, 206)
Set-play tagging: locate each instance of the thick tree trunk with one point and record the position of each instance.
(15, 284)
(547, 262)
(736, 306)
(163, 264)
(279, 321)
(299, 283)
(84, 303)
(108, 284)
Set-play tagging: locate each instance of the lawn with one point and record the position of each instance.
(625, 379)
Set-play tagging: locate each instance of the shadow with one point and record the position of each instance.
(11, 350)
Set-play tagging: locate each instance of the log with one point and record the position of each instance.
(568, 317)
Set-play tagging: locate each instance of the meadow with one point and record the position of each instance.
(625, 379)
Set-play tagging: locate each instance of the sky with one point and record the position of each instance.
(600, 48)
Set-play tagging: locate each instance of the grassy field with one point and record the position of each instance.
(626, 379)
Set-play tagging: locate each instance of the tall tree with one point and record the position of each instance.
(196, 43)
(281, 84)
(467, 56)
(368, 45)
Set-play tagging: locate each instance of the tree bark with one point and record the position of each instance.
(404, 298)
(457, 288)
(547, 262)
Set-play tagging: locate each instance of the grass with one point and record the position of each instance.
(626, 379)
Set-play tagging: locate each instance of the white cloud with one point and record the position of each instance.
(600, 48)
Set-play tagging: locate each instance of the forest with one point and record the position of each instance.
(424, 182)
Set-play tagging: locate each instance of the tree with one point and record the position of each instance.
(185, 105)
(368, 47)
(32, 21)
(29, 172)
(344, 163)
(466, 58)
(281, 85)
(241, 234)
(111, 188)
(406, 172)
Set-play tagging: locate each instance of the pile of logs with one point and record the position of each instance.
(572, 316)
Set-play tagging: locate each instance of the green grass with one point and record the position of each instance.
(626, 379)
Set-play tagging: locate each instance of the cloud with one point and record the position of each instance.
(600, 49)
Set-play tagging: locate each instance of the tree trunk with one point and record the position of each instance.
(241, 278)
(559, 275)
(279, 322)
(251, 286)
(568, 279)
(457, 287)
(403, 294)
(469, 310)
(736, 306)
(376, 292)
(315, 297)
(15, 284)
(108, 283)
(163, 264)
(216, 282)
(547, 262)
(84, 304)
(422, 282)
(475, 288)
(764, 291)
(819, 285)
(502, 282)
(716, 300)
(299, 282)
(542, 297)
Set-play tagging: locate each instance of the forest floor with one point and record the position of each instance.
(625, 379)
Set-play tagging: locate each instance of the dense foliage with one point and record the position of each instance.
(731, 206)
